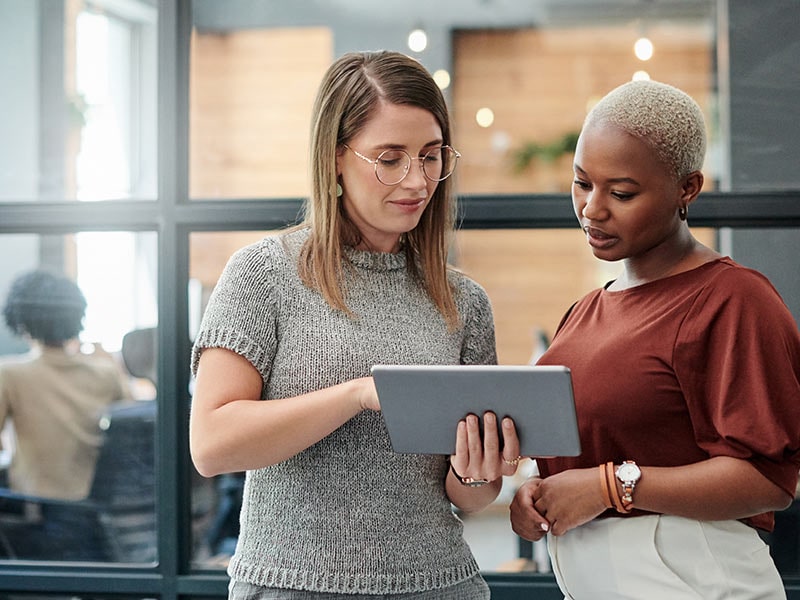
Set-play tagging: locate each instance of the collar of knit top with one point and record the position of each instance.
(376, 261)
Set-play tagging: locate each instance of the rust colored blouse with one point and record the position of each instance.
(704, 363)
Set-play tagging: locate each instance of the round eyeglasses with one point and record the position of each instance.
(392, 166)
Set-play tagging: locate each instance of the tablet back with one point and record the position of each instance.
(422, 404)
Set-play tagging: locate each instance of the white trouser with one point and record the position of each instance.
(661, 557)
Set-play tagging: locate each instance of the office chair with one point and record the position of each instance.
(115, 523)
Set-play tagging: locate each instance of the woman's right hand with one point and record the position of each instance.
(563, 501)
(525, 519)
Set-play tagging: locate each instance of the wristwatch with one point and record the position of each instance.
(629, 475)
(468, 481)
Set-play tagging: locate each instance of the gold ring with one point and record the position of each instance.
(514, 462)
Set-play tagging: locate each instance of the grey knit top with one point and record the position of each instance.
(347, 515)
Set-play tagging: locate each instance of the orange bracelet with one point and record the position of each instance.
(607, 502)
(611, 481)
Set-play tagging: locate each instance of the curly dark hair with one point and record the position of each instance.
(46, 306)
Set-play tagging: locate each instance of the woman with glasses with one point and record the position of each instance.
(686, 372)
(291, 331)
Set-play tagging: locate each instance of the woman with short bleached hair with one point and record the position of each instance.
(686, 372)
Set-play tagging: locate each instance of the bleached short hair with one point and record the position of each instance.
(664, 117)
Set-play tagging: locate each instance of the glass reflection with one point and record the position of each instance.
(79, 123)
(78, 398)
(519, 88)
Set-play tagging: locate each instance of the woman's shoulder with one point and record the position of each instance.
(739, 294)
(272, 253)
(275, 244)
(470, 296)
(731, 278)
(464, 284)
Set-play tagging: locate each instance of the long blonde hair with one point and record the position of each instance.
(347, 98)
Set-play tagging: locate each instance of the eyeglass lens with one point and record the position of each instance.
(392, 166)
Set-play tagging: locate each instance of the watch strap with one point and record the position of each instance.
(468, 481)
(604, 485)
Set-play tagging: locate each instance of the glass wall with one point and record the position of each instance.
(78, 413)
(79, 121)
(519, 82)
(78, 136)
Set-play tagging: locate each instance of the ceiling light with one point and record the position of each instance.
(484, 117)
(417, 40)
(643, 48)
(442, 79)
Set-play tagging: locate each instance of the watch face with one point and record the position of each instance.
(628, 472)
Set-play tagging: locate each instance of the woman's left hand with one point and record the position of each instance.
(481, 457)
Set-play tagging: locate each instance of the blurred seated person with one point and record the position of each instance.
(54, 395)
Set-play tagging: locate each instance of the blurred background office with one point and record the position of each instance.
(143, 141)
(52, 398)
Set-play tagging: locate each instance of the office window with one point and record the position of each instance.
(79, 123)
(78, 418)
(518, 93)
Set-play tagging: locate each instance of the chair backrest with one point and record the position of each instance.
(125, 469)
(140, 352)
(124, 481)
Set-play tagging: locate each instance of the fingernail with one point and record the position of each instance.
(545, 527)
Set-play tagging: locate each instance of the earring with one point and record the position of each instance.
(339, 190)
(683, 212)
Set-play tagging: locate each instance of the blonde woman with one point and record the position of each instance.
(291, 331)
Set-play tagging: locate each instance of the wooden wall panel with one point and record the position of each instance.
(540, 83)
(209, 251)
(251, 94)
(531, 277)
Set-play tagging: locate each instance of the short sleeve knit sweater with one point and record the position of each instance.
(347, 515)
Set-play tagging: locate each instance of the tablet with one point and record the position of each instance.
(422, 405)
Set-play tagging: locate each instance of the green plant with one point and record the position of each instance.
(523, 156)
